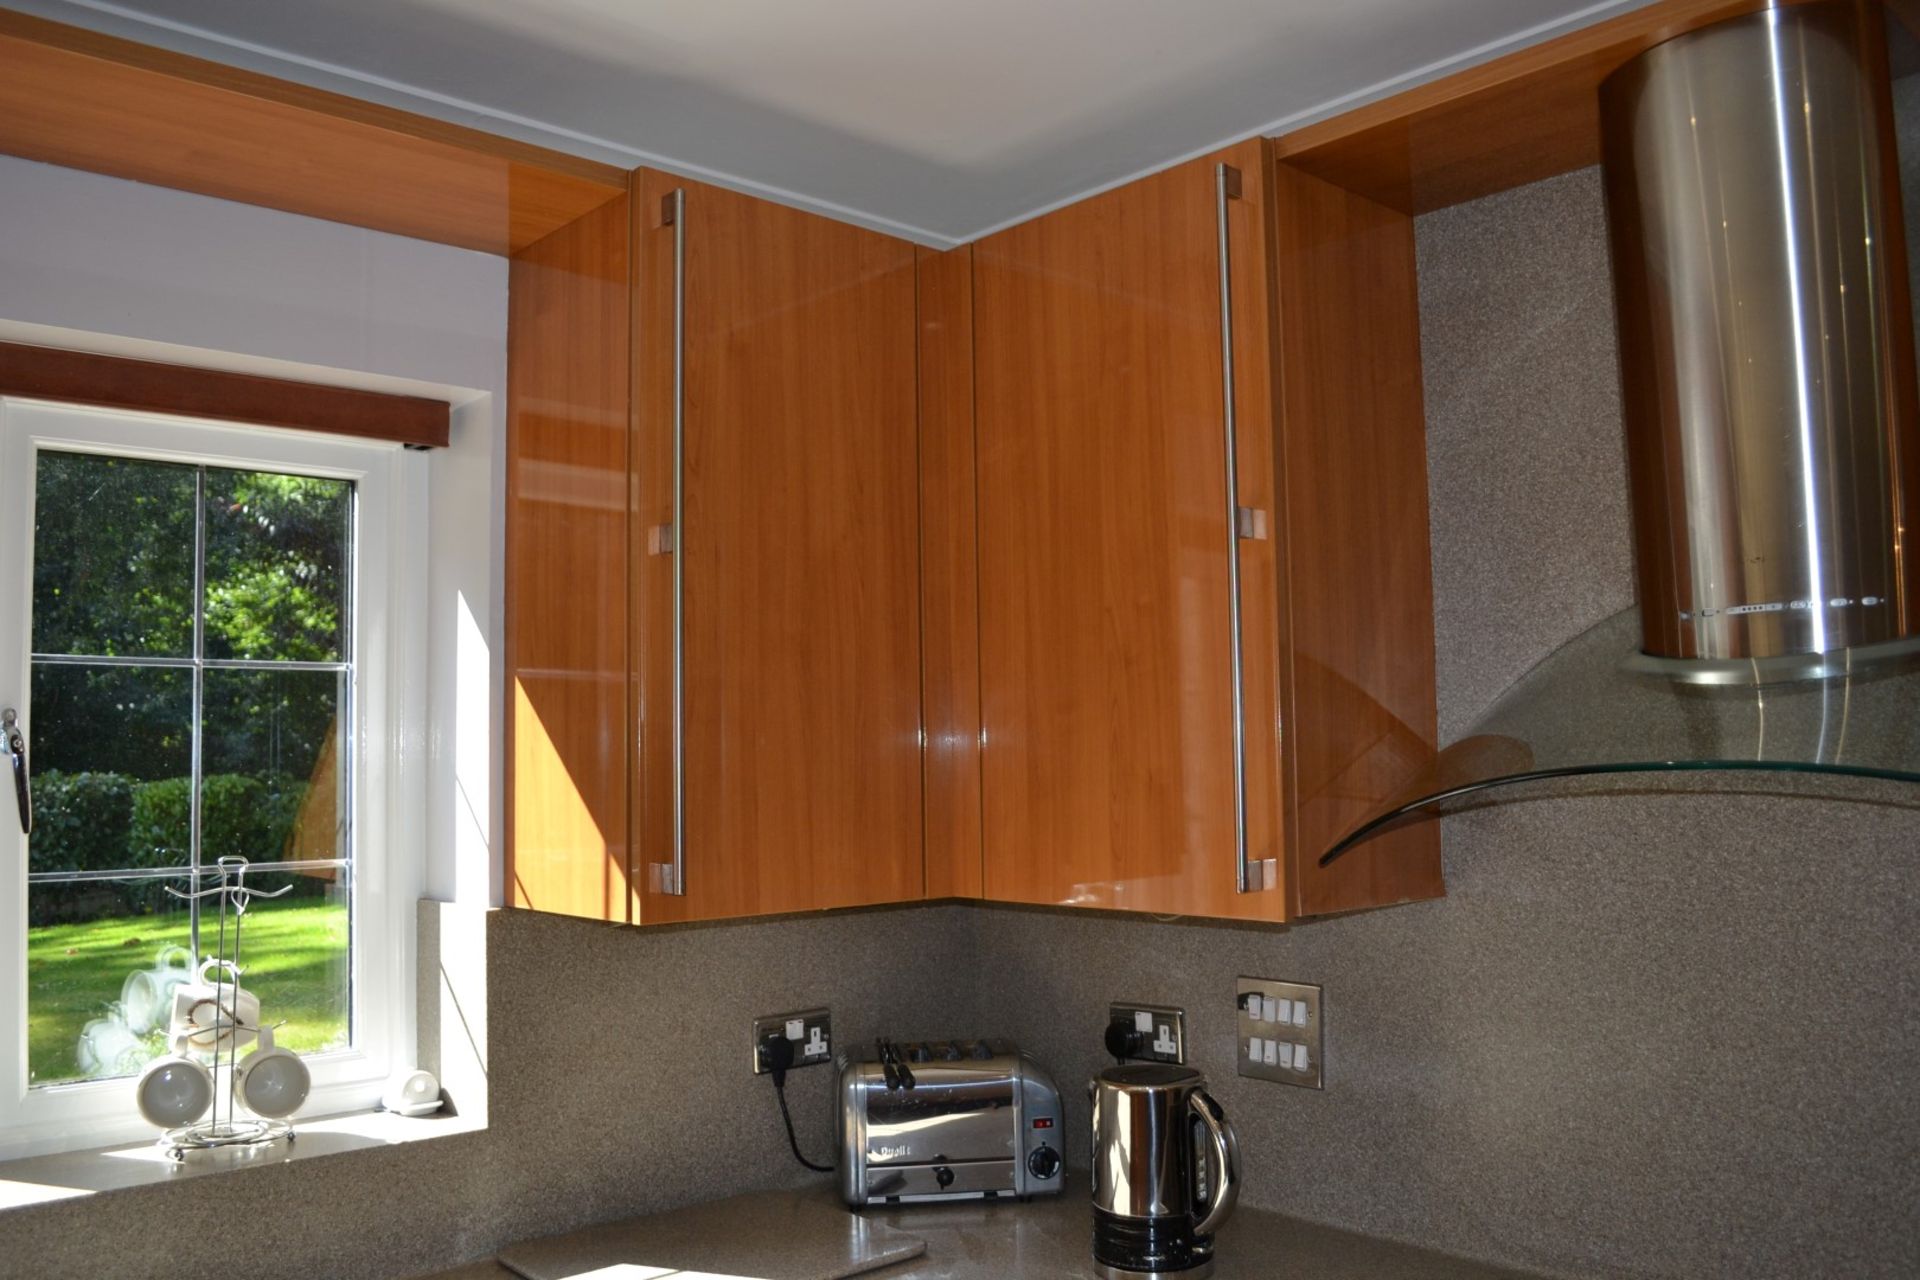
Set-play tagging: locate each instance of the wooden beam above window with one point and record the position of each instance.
(81, 377)
(74, 97)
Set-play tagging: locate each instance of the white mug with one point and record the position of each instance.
(147, 994)
(411, 1093)
(271, 1081)
(174, 1090)
(108, 1047)
(214, 1017)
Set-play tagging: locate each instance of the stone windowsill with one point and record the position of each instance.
(41, 1179)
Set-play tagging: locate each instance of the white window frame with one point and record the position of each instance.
(389, 709)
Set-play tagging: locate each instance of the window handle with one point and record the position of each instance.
(15, 746)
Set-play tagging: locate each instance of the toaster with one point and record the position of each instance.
(947, 1120)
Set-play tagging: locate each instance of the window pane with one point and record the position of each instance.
(276, 566)
(112, 556)
(295, 954)
(104, 957)
(112, 756)
(132, 720)
(272, 748)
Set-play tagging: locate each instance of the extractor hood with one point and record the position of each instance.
(1773, 429)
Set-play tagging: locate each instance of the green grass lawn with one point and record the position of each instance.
(295, 957)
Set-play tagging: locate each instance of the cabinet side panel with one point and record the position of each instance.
(566, 575)
(1359, 565)
(949, 575)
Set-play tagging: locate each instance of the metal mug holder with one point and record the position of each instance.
(214, 1133)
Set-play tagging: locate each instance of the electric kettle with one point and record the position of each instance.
(1166, 1172)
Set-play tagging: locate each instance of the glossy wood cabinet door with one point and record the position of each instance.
(1114, 768)
(799, 726)
(567, 439)
(1108, 768)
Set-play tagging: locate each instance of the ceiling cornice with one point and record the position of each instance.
(114, 19)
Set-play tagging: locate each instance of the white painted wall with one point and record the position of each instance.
(101, 264)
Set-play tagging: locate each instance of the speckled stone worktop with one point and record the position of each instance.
(1049, 1239)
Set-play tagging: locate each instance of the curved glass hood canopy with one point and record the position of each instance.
(1598, 706)
(1765, 309)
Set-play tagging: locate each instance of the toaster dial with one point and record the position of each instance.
(1044, 1163)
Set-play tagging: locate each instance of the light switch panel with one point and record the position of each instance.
(1282, 1032)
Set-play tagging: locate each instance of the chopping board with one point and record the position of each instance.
(764, 1235)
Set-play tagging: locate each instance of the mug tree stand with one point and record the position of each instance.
(215, 1132)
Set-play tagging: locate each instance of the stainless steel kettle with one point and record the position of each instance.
(1166, 1172)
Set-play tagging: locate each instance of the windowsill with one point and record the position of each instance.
(43, 1179)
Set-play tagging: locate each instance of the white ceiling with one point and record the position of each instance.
(934, 121)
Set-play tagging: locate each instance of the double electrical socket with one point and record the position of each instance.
(1148, 1032)
(810, 1030)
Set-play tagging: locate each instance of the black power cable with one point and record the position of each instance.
(777, 1052)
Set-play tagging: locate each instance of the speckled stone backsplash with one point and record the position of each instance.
(1647, 1034)
(620, 1084)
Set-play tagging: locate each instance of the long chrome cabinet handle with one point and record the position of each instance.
(1227, 187)
(674, 878)
(15, 745)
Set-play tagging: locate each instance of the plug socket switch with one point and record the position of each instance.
(1146, 1032)
(810, 1032)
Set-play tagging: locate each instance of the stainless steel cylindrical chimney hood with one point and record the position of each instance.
(1766, 343)
(1760, 264)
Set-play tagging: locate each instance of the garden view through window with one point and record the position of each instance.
(191, 685)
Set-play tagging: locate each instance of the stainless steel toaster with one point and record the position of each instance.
(947, 1120)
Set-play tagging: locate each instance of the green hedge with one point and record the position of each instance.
(107, 821)
(233, 821)
(80, 821)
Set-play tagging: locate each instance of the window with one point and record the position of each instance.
(204, 671)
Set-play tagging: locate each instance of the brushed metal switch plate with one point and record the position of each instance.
(1282, 1032)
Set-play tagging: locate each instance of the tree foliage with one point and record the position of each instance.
(276, 566)
(114, 576)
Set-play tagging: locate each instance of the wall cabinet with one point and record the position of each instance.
(1107, 546)
(1192, 673)
(713, 562)
(785, 775)
(1086, 565)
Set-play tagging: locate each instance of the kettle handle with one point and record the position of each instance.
(1226, 1158)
